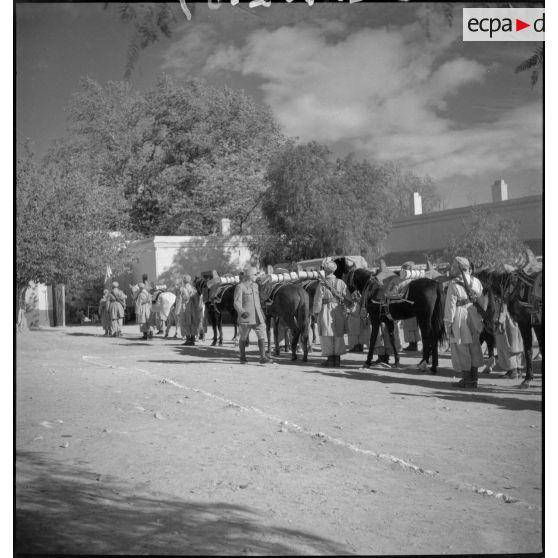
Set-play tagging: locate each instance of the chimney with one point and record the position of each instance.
(499, 191)
(416, 204)
(225, 227)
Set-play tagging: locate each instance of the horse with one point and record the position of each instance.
(162, 303)
(217, 301)
(286, 303)
(311, 287)
(511, 288)
(424, 301)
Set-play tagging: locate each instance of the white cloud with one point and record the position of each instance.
(192, 50)
(381, 90)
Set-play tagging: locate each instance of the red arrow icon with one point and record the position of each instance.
(519, 25)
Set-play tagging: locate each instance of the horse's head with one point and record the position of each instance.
(199, 284)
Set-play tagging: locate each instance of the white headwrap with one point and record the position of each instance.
(329, 265)
(463, 263)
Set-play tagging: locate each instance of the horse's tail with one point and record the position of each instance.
(302, 316)
(438, 315)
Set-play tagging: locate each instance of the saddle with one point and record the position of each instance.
(531, 293)
(305, 283)
(396, 290)
(216, 293)
(271, 294)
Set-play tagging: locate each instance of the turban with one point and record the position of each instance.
(141, 285)
(407, 265)
(115, 283)
(250, 271)
(187, 279)
(463, 263)
(329, 265)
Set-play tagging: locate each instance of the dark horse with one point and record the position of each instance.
(514, 289)
(221, 301)
(424, 301)
(287, 303)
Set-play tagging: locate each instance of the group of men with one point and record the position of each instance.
(337, 313)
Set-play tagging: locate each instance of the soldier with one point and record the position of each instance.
(411, 331)
(117, 303)
(187, 310)
(143, 311)
(330, 301)
(104, 313)
(358, 325)
(250, 314)
(463, 323)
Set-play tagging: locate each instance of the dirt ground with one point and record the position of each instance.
(133, 447)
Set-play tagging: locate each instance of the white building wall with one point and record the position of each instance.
(432, 231)
(166, 258)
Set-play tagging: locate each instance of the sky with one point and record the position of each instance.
(386, 81)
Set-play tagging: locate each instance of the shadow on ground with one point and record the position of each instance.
(64, 509)
(491, 394)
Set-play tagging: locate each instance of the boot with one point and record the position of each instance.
(150, 335)
(242, 349)
(474, 377)
(469, 379)
(144, 336)
(263, 357)
(336, 360)
(384, 359)
(328, 363)
(511, 374)
(411, 347)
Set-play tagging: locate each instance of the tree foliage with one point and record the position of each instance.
(178, 158)
(488, 240)
(315, 207)
(61, 227)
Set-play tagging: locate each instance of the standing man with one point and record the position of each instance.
(104, 312)
(330, 301)
(117, 303)
(143, 311)
(463, 322)
(411, 331)
(187, 310)
(250, 314)
(358, 325)
(508, 340)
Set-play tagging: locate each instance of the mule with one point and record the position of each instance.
(424, 301)
(222, 300)
(286, 303)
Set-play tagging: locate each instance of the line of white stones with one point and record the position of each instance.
(386, 457)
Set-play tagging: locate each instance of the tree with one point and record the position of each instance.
(61, 234)
(488, 240)
(179, 157)
(534, 63)
(315, 207)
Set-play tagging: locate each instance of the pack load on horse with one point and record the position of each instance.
(517, 290)
(217, 293)
(422, 298)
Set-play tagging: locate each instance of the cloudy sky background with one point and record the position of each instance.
(385, 81)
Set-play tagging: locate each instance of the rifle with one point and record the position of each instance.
(483, 313)
(340, 299)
